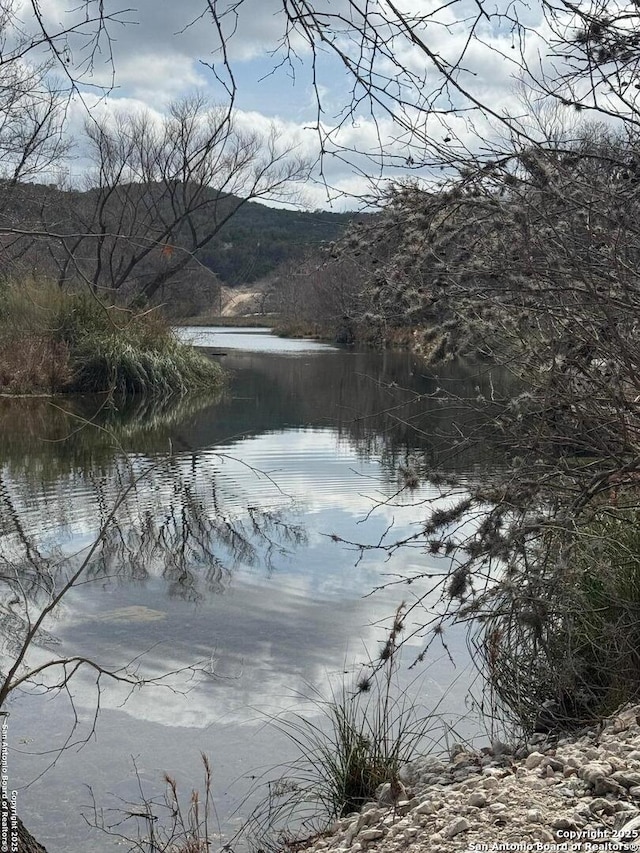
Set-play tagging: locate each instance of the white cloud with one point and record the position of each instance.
(164, 51)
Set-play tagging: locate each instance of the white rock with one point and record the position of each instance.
(533, 760)
(506, 797)
(616, 761)
(563, 821)
(387, 794)
(456, 749)
(371, 815)
(627, 778)
(351, 833)
(534, 816)
(409, 774)
(595, 770)
(631, 829)
(460, 824)
(601, 805)
(426, 807)
(368, 835)
(431, 762)
(477, 799)
(474, 781)
(545, 835)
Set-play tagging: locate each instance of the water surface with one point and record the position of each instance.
(219, 565)
(247, 339)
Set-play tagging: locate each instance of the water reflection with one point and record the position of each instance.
(257, 340)
(218, 553)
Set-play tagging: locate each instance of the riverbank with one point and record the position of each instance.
(431, 343)
(579, 792)
(239, 321)
(54, 341)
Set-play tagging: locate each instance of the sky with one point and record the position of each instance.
(164, 50)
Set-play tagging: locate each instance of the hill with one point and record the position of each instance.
(156, 242)
(258, 239)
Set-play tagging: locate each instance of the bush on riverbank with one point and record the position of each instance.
(54, 341)
(560, 636)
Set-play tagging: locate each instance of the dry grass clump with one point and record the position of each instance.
(360, 737)
(34, 364)
(54, 341)
(170, 823)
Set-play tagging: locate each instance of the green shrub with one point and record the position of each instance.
(53, 341)
(560, 639)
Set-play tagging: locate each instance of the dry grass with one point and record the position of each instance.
(362, 735)
(34, 365)
(53, 341)
(172, 823)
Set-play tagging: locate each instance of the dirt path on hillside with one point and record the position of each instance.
(240, 300)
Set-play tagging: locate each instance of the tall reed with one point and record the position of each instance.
(55, 341)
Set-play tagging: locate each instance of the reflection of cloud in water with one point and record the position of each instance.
(266, 634)
(264, 640)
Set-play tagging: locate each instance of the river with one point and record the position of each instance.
(227, 563)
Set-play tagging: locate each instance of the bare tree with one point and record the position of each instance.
(161, 190)
(320, 293)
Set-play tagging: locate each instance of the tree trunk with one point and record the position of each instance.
(26, 842)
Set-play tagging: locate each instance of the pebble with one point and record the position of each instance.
(533, 760)
(371, 834)
(427, 807)
(457, 826)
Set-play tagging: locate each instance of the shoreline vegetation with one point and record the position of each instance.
(570, 792)
(421, 340)
(55, 341)
(249, 321)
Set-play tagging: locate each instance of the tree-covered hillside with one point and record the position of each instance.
(155, 242)
(258, 239)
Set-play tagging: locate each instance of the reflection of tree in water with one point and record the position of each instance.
(192, 539)
(172, 522)
(416, 428)
(43, 439)
(384, 405)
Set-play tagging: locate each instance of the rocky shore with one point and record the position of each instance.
(579, 792)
